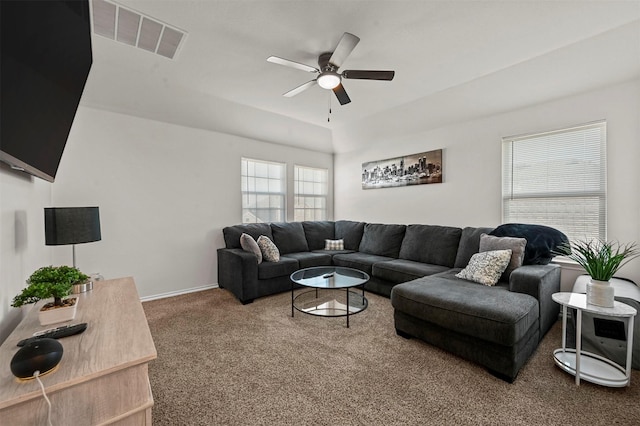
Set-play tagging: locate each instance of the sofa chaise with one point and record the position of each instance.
(416, 266)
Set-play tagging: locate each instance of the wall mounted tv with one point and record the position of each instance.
(45, 61)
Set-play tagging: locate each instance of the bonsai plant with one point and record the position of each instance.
(51, 282)
(601, 260)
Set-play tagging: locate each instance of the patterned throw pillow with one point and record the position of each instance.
(249, 244)
(270, 252)
(486, 267)
(334, 244)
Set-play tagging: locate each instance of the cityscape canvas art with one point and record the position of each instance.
(415, 169)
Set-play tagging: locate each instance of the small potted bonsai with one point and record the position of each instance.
(52, 282)
(601, 260)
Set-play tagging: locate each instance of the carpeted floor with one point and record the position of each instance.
(222, 363)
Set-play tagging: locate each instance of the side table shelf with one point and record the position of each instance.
(593, 368)
(586, 365)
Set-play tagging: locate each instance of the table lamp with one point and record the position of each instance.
(71, 225)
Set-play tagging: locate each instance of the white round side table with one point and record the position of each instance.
(586, 365)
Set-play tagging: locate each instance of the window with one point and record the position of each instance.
(558, 179)
(263, 191)
(310, 193)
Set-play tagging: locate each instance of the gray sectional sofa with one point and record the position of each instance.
(496, 326)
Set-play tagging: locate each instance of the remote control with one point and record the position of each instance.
(56, 333)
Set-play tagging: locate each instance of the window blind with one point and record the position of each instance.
(558, 179)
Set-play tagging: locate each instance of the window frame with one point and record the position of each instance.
(249, 190)
(320, 193)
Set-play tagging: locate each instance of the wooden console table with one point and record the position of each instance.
(102, 377)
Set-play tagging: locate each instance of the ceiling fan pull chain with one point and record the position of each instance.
(329, 115)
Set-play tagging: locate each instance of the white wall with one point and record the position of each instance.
(471, 192)
(22, 249)
(164, 191)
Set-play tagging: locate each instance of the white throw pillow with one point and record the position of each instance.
(249, 244)
(334, 244)
(486, 267)
(270, 252)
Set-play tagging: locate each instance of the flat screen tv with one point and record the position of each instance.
(45, 61)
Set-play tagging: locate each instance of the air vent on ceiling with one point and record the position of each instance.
(118, 23)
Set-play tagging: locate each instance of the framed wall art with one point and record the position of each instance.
(415, 169)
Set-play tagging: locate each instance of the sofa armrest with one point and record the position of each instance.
(238, 273)
(539, 281)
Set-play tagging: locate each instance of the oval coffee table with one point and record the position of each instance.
(328, 291)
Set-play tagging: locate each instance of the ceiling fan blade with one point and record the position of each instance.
(341, 94)
(346, 44)
(369, 75)
(291, 64)
(300, 89)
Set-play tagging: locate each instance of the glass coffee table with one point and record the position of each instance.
(328, 291)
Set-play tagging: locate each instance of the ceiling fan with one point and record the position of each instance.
(328, 76)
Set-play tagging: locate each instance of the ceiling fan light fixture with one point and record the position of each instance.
(328, 80)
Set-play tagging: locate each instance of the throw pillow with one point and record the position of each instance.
(270, 252)
(543, 242)
(334, 244)
(486, 267)
(516, 245)
(249, 244)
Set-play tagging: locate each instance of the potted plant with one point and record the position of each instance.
(52, 282)
(601, 260)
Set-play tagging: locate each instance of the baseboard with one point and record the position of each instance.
(177, 292)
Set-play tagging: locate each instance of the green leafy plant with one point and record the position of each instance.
(601, 259)
(47, 282)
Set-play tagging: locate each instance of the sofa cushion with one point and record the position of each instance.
(543, 242)
(493, 314)
(486, 267)
(286, 266)
(318, 231)
(382, 240)
(289, 237)
(358, 260)
(350, 232)
(270, 252)
(333, 252)
(250, 245)
(516, 245)
(469, 245)
(232, 233)
(433, 244)
(402, 270)
(308, 259)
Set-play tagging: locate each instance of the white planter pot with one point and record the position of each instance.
(53, 316)
(600, 293)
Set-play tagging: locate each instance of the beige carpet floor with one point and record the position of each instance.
(222, 363)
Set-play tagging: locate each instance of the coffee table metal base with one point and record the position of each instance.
(342, 302)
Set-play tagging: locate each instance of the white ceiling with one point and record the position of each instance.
(221, 73)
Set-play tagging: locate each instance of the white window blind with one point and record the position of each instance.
(558, 179)
(263, 191)
(310, 193)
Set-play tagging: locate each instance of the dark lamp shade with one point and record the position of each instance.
(71, 225)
